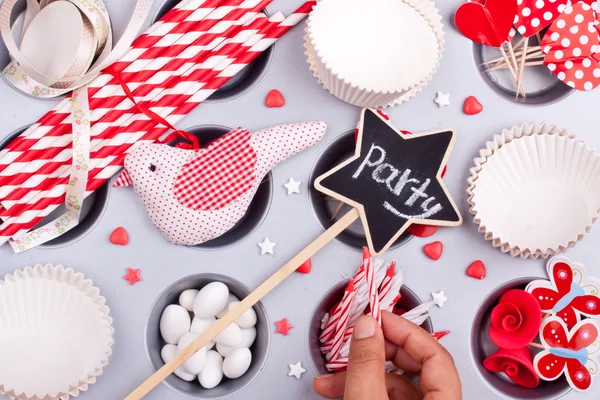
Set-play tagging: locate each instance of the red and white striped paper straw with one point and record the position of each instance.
(47, 204)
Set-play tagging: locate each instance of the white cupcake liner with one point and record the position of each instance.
(354, 93)
(535, 190)
(57, 311)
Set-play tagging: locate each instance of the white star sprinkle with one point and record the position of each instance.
(292, 186)
(296, 370)
(266, 246)
(442, 99)
(439, 298)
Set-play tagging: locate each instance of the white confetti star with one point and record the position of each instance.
(292, 186)
(442, 99)
(266, 246)
(296, 370)
(439, 298)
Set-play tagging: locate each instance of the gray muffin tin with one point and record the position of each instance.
(293, 221)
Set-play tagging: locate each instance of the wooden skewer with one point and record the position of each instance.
(337, 210)
(504, 66)
(522, 67)
(513, 73)
(253, 298)
(517, 53)
(536, 345)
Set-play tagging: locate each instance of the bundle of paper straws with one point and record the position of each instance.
(170, 69)
(375, 287)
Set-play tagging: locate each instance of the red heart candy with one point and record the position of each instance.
(570, 56)
(306, 267)
(422, 231)
(434, 250)
(275, 99)
(477, 270)
(119, 236)
(472, 106)
(488, 24)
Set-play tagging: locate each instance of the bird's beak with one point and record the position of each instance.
(123, 180)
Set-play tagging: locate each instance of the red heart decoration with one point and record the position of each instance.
(275, 99)
(422, 231)
(488, 24)
(433, 250)
(534, 15)
(477, 270)
(472, 106)
(119, 236)
(516, 364)
(306, 267)
(571, 56)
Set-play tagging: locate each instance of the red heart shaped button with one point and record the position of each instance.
(477, 270)
(472, 106)
(275, 99)
(433, 250)
(119, 236)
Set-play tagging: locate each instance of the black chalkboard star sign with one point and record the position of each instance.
(394, 180)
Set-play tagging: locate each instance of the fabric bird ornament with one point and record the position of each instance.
(195, 196)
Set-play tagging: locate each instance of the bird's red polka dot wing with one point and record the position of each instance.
(578, 375)
(219, 174)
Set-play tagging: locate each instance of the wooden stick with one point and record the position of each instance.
(512, 71)
(504, 66)
(536, 345)
(253, 298)
(522, 68)
(530, 50)
(337, 210)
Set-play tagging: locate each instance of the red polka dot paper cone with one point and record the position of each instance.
(535, 190)
(387, 61)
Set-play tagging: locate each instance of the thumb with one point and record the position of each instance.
(365, 378)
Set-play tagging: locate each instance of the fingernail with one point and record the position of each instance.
(326, 376)
(364, 328)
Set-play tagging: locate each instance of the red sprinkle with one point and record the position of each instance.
(119, 236)
(133, 276)
(434, 250)
(306, 267)
(283, 327)
(477, 270)
(275, 99)
(472, 106)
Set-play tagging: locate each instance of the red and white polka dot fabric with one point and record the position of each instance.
(572, 47)
(154, 170)
(534, 15)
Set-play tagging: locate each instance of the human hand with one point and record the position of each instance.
(409, 347)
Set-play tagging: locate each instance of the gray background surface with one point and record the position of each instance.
(292, 224)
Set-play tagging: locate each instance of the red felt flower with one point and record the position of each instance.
(515, 320)
(517, 364)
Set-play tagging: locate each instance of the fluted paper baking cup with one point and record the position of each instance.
(55, 333)
(535, 190)
(385, 62)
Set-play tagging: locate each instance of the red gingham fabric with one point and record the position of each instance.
(219, 174)
(123, 180)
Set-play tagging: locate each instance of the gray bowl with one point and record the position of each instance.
(241, 82)
(337, 151)
(408, 301)
(228, 387)
(93, 209)
(482, 347)
(258, 209)
(541, 86)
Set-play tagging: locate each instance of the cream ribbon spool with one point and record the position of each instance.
(95, 41)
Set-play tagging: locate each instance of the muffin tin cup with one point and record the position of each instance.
(258, 209)
(481, 346)
(242, 82)
(93, 209)
(408, 301)
(337, 151)
(228, 387)
(541, 87)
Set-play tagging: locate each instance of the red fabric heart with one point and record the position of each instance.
(515, 320)
(119, 236)
(477, 270)
(534, 15)
(517, 364)
(274, 99)
(306, 267)
(571, 45)
(472, 106)
(488, 24)
(422, 231)
(434, 250)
